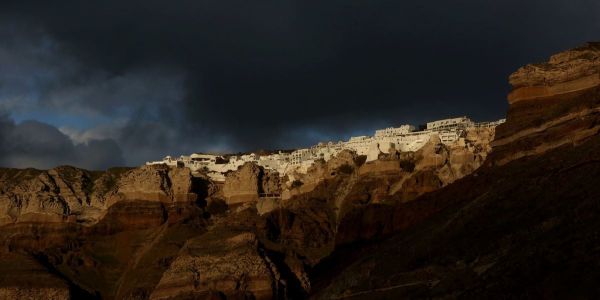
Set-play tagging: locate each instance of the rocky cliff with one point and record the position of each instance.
(483, 218)
(249, 183)
(162, 233)
(522, 226)
(552, 104)
(331, 205)
(67, 194)
(79, 227)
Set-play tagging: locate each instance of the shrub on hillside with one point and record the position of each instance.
(346, 169)
(360, 160)
(297, 183)
(407, 165)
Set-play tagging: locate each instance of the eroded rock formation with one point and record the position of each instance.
(156, 183)
(552, 104)
(249, 183)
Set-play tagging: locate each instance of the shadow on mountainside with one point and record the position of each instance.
(528, 229)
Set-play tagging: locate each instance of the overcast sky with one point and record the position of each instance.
(123, 82)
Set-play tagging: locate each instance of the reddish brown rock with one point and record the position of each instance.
(568, 66)
(552, 104)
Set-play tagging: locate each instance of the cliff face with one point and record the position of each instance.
(346, 200)
(63, 194)
(80, 228)
(248, 183)
(156, 183)
(440, 164)
(227, 261)
(67, 194)
(522, 226)
(552, 104)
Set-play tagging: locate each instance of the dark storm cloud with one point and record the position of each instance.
(183, 76)
(39, 145)
(40, 80)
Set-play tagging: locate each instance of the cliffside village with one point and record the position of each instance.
(403, 138)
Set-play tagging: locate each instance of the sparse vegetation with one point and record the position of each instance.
(18, 175)
(110, 178)
(360, 160)
(407, 165)
(297, 183)
(346, 169)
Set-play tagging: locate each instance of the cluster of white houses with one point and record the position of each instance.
(403, 138)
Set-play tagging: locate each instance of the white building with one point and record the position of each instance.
(403, 138)
(462, 122)
(490, 124)
(394, 131)
(167, 160)
(298, 156)
(360, 144)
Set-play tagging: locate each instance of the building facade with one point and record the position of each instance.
(403, 138)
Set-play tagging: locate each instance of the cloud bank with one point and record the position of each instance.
(36, 144)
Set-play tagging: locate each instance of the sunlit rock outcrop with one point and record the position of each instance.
(62, 194)
(552, 104)
(250, 182)
(156, 183)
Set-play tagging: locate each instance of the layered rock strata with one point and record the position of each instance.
(552, 104)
